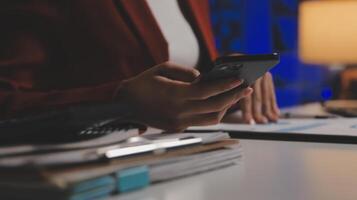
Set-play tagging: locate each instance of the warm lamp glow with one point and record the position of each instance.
(328, 32)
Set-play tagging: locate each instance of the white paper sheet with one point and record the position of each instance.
(336, 126)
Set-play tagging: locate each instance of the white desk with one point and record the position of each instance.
(270, 170)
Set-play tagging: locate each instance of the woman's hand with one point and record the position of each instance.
(261, 106)
(167, 97)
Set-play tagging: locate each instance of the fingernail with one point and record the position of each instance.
(237, 82)
(277, 112)
(252, 122)
(248, 91)
(264, 120)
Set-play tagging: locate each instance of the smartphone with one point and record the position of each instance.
(246, 67)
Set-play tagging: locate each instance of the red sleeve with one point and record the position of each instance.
(25, 58)
(18, 101)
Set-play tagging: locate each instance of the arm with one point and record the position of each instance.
(18, 92)
(13, 102)
(26, 55)
(164, 96)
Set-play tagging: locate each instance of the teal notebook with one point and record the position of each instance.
(120, 182)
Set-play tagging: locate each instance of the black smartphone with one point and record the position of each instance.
(246, 67)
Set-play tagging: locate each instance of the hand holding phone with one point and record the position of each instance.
(261, 107)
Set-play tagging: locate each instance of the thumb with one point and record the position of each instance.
(177, 72)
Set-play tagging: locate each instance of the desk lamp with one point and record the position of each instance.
(328, 37)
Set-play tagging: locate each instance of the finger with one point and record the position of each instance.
(176, 72)
(205, 90)
(257, 103)
(204, 119)
(274, 102)
(266, 98)
(246, 106)
(216, 103)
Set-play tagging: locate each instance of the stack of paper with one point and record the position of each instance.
(116, 163)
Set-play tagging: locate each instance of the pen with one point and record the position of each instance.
(306, 116)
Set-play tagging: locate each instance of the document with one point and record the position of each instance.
(333, 126)
(91, 152)
(187, 165)
(113, 138)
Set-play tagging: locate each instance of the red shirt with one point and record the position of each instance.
(60, 53)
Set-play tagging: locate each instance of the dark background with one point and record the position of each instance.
(265, 26)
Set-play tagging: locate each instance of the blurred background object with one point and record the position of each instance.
(328, 36)
(264, 26)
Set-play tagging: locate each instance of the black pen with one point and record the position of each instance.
(306, 116)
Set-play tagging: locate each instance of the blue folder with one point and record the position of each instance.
(120, 182)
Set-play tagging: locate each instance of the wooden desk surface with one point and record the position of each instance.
(270, 170)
